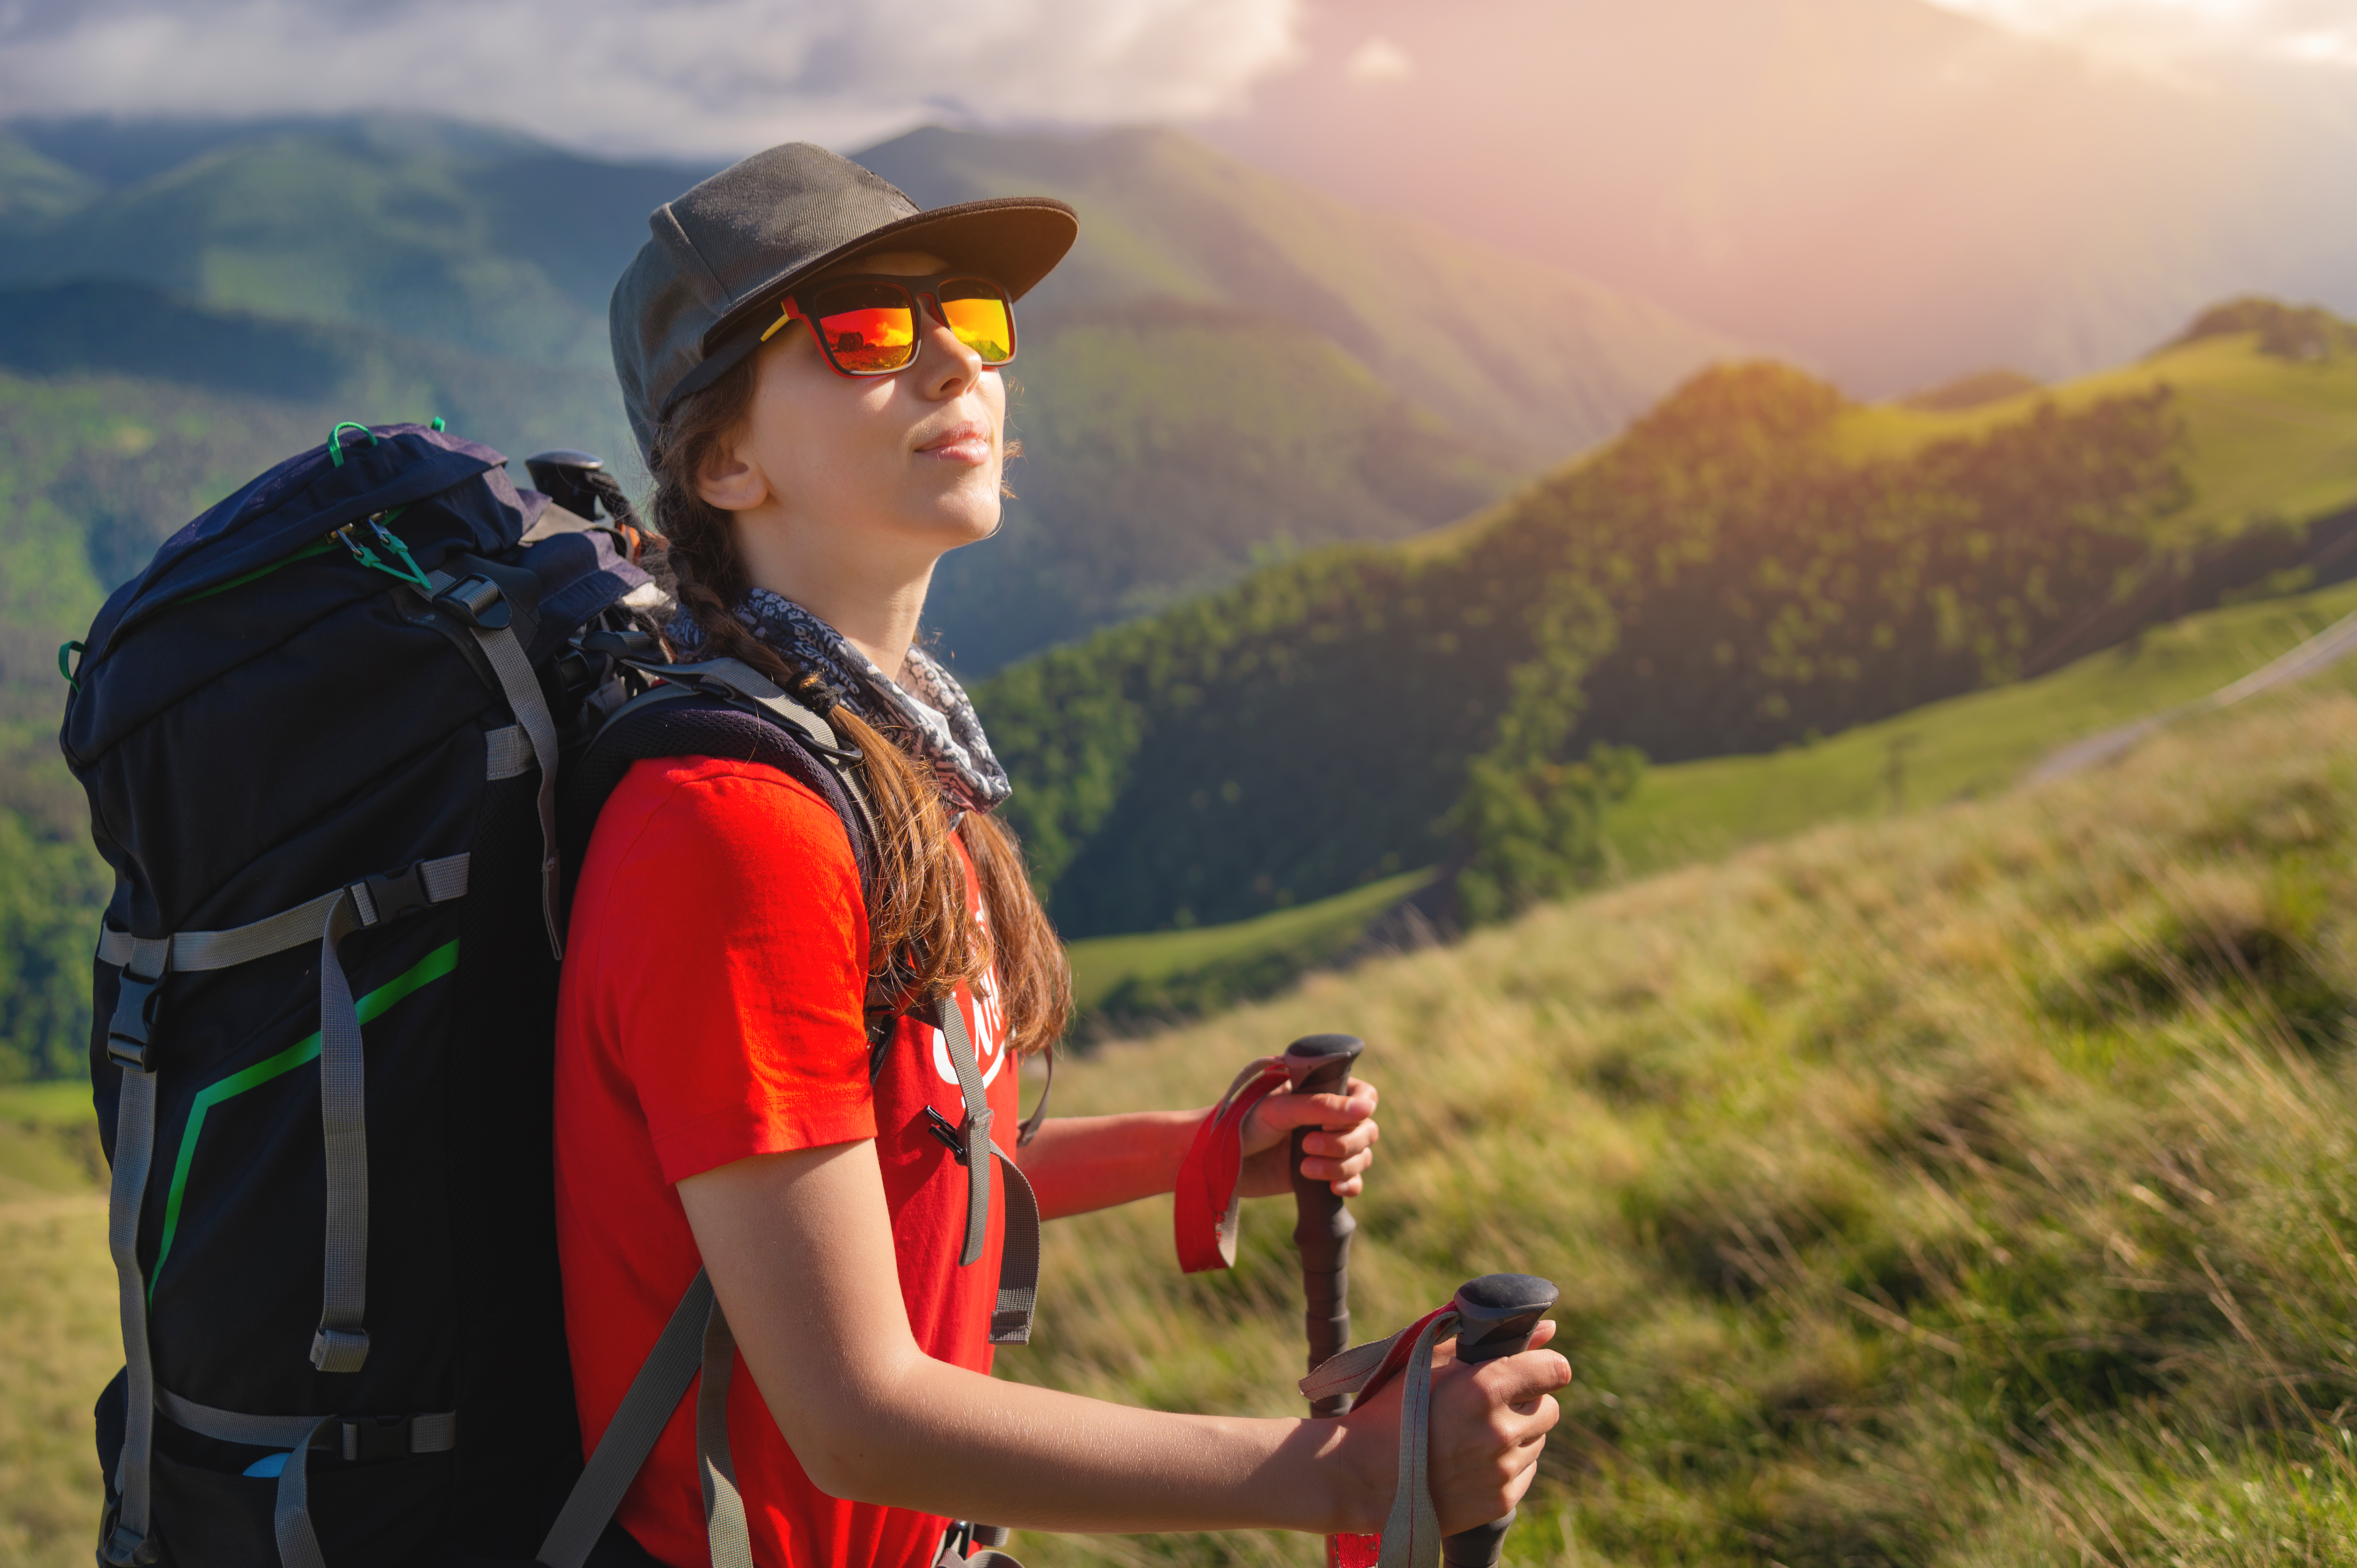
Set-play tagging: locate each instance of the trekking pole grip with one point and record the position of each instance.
(1320, 1064)
(1496, 1315)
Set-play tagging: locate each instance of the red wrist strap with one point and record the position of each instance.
(1205, 1217)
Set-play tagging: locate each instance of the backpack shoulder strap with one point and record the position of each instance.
(721, 707)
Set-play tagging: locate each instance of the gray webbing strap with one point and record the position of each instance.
(149, 960)
(1411, 1536)
(290, 1510)
(977, 1131)
(507, 752)
(1018, 1259)
(728, 1536)
(630, 1437)
(430, 1433)
(444, 879)
(349, 1437)
(340, 1343)
(1028, 1128)
(522, 688)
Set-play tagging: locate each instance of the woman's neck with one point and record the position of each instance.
(875, 604)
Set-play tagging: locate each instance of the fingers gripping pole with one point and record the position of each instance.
(1491, 1316)
(1320, 1064)
(1496, 1315)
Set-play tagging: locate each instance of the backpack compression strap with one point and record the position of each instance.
(1204, 1215)
(340, 1343)
(480, 603)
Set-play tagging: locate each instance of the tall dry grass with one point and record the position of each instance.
(1971, 1188)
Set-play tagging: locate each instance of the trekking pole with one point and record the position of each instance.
(1496, 1315)
(1320, 1064)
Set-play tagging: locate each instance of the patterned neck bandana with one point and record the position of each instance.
(926, 711)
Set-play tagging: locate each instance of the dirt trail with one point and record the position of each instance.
(2327, 647)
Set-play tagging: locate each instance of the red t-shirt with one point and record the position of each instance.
(710, 1010)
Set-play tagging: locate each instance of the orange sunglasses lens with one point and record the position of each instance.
(977, 313)
(868, 328)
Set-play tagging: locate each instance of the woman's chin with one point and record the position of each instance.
(962, 519)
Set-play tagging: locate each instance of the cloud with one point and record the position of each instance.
(1377, 61)
(693, 78)
(2168, 34)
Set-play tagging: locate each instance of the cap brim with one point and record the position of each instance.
(1015, 241)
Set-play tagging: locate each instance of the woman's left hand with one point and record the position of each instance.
(1337, 1153)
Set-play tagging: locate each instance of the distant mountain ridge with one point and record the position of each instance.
(1171, 441)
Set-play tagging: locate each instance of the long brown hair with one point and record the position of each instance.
(922, 941)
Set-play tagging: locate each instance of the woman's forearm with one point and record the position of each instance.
(1083, 1163)
(943, 1440)
(801, 1254)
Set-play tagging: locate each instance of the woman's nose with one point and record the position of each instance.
(963, 364)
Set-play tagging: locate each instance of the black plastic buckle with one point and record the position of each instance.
(620, 644)
(376, 1437)
(947, 1131)
(397, 893)
(130, 1034)
(117, 1547)
(478, 601)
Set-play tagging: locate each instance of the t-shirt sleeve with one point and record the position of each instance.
(733, 956)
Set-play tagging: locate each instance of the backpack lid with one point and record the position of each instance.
(313, 494)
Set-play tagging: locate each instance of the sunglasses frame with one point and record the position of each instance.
(924, 299)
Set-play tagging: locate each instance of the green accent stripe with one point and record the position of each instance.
(316, 547)
(425, 972)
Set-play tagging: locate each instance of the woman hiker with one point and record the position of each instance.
(811, 367)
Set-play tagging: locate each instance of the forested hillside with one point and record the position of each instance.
(1757, 560)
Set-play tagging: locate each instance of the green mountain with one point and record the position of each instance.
(1231, 365)
(1757, 561)
(473, 239)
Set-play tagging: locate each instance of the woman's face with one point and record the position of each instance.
(894, 469)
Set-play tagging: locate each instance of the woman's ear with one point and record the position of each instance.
(729, 479)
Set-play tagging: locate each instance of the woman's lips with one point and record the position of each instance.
(960, 444)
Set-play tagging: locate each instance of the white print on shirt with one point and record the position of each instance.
(988, 1030)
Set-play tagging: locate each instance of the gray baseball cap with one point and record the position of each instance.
(694, 301)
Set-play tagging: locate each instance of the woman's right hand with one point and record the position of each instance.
(1489, 1423)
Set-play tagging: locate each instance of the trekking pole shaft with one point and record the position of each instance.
(1496, 1315)
(1320, 1064)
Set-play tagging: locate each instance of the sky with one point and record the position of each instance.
(707, 78)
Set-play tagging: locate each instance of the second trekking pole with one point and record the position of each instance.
(1320, 1064)
(1496, 1315)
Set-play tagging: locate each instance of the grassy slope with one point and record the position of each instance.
(1971, 745)
(2269, 437)
(1102, 965)
(57, 1320)
(1969, 1187)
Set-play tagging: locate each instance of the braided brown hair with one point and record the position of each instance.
(922, 941)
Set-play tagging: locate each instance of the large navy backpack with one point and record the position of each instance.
(344, 739)
(319, 738)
